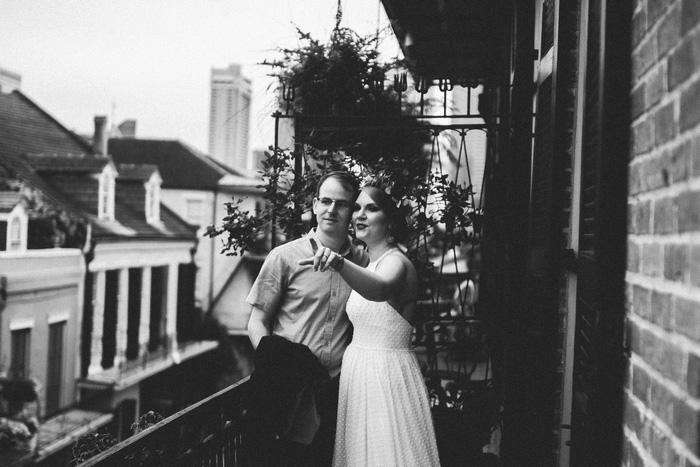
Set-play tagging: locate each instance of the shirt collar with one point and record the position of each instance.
(347, 248)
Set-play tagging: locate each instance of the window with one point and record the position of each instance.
(15, 237)
(193, 211)
(153, 199)
(13, 230)
(3, 235)
(21, 348)
(105, 207)
(54, 376)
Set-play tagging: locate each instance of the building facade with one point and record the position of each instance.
(196, 187)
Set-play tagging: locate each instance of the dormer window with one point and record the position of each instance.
(105, 204)
(153, 198)
(14, 226)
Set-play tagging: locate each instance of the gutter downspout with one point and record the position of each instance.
(88, 251)
(212, 253)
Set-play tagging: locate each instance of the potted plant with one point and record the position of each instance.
(18, 420)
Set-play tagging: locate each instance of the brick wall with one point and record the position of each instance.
(662, 417)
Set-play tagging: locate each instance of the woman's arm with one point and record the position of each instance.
(386, 283)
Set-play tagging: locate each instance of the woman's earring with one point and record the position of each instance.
(390, 239)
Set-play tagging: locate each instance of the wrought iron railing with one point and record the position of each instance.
(209, 433)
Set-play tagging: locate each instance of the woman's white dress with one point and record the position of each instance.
(384, 416)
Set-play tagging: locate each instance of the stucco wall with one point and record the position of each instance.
(44, 286)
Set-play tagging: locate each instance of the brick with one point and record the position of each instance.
(665, 215)
(636, 459)
(655, 86)
(635, 178)
(662, 401)
(632, 256)
(638, 100)
(678, 162)
(644, 58)
(652, 263)
(639, 27)
(643, 217)
(652, 174)
(689, 211)
(668, 34)
(655, 9)
(634, 340)
(641, 302)
(664, 356)
(690, 15)
(683, 61)
(693, 384)
(676, 262)
(661, 309)
(643, 136)
(646, 433)
(686, 421)
(641, 384)
(631, 227)
(694, 158)
(659, 446)
(633, 417)
(690, 107)
(687, 317)
(695, 265)
(664, 124)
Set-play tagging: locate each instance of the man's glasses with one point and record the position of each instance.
(340, 204)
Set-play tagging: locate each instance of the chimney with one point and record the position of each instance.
(99, 140)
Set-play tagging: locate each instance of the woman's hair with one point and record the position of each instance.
(346, 179)
(397, 222)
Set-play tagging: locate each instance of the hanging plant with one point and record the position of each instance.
(348, 116)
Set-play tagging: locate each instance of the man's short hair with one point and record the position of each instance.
(345, 178)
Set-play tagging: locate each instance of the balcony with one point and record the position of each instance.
(129, 372)
(206, 433)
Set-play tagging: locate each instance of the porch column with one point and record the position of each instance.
(98, 311)
(122, 317)
(145, 324)
(171, 319)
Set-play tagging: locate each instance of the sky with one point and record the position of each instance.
(150, 60)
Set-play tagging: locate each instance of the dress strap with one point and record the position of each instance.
(386, 253)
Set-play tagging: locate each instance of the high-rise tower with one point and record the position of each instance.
(229, 117)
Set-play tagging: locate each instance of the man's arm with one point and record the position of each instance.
(259, 325)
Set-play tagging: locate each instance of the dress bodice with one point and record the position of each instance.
(378, 325)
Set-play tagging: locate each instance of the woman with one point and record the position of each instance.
(383, 414)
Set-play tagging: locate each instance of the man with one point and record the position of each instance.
(306, 307)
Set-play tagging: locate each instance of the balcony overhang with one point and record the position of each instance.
(120, 378)
(455, 39)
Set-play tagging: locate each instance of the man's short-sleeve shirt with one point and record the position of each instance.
(308, 306)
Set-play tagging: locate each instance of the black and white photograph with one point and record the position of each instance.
(350, 233)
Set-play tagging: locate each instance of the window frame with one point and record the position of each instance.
(106, 193)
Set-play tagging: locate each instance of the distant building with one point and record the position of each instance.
(9, 80)
(195, 186)
(96, 281)
(229, 117)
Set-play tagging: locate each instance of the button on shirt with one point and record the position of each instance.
(308, 305)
